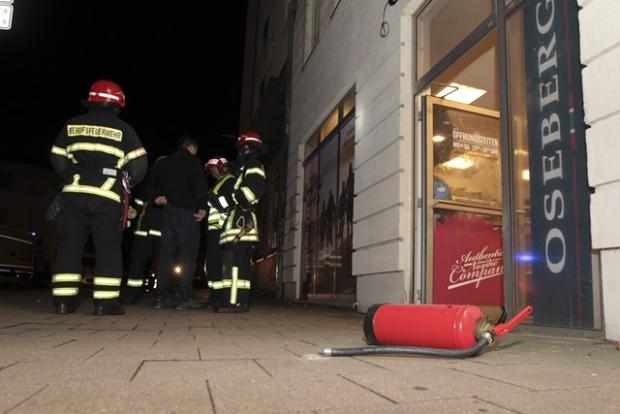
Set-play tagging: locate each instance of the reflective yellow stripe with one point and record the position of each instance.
(141, 233)
(233, 287)
(244, 238)
(134, 282)
(255, 170)
(132, 156)
(210, 284)
(156, 233)
(66, 277)
(106, 294)
(95, 131)
(86, 189)
(219, 184)
(249, 195)
(65, 291)
(108, 184)
(107, 281)
(59, 151)
(138, 201)
(89, 146)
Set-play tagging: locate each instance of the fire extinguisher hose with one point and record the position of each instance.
(485, 339)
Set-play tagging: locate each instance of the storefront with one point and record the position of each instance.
(440, 157)
(500, 144)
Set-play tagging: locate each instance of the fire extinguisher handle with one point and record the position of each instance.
(503, 328)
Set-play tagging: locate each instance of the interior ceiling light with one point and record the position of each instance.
(460, 93)
(439, 138)
(460, 163)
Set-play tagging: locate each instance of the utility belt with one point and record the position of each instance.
(102, 182)
(240, 225)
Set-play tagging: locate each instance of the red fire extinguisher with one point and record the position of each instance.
(456, 331)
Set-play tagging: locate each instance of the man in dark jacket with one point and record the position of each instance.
(96, 154)
(180, 186)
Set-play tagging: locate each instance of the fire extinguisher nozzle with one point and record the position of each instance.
(326, 352)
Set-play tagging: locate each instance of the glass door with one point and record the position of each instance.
(464, 211)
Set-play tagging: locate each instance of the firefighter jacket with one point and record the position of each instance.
(92, 152)
(148, 220)
(223, 188)
(249, 188)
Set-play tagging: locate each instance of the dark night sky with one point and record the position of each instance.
(179, 63)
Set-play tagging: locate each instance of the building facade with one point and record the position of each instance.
(25, 191)
(469, 165)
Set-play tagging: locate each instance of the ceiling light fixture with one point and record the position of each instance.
(459, 163)
(460, 93)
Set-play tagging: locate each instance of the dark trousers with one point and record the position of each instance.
(83, 215)
(180, 237)
(235, 286)
(214, 261)
(143, 249)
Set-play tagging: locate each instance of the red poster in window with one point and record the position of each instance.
(468, 261)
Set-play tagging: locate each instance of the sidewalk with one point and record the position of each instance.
(266, 361)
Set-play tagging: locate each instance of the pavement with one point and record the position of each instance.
(267, 361)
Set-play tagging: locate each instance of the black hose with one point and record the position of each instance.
(485, 339)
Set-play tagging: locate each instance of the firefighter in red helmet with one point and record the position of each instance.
(240, 229)
(220, 196)
(99, 156)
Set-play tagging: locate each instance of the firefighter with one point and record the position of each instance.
(146, 241)
(219, 196)
(99, 156)
(240, 229)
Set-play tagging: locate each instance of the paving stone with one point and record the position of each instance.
(267, 361)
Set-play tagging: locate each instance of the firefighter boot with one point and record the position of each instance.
(108, 307)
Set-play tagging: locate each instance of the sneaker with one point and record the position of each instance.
(189, 305)
(163, 303)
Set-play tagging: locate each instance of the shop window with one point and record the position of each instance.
(348, 104)
(327, 236)
(311, 145)
(474, 78)
(552, 253)
(329, 125)
(445, 23)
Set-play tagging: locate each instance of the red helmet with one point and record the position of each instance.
(252, 139)
(106, 91)
(217, 162)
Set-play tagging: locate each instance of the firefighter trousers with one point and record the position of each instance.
(143, 249)
(85, 215)
(214, 262)
(234, 288)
